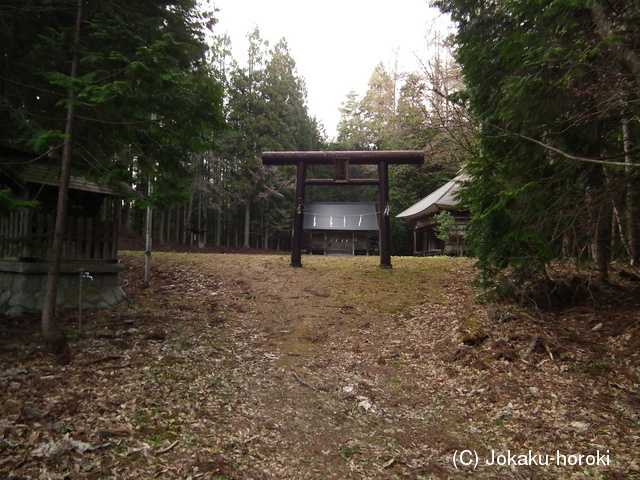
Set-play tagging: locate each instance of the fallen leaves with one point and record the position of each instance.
(237, 366)
(65, 444)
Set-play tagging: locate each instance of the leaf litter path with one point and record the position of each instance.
(238, 367)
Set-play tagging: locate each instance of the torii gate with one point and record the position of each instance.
(341, 162)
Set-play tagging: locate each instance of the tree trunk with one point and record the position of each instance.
(178, 222)
(631, 216)
(53, 335)
(266, 237)
(624, 55)
(187, 220)
(148, 233)
(601, 242)
(617, 227)
(125, 221)
(200, 214)
(161, 226)
(218, 228)
(247, 224)
(205, 227)
(168, 225)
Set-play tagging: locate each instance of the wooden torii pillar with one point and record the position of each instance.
(341, 162)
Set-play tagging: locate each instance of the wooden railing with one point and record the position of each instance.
(28, 234)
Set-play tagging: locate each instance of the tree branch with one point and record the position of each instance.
(107, 122)
(565, 154)
(623, 54)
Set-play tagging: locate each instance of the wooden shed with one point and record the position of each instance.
(341, 228)
(423, 215)
(26, 237)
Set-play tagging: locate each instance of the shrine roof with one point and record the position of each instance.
(444, 198)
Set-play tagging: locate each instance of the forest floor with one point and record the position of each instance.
(238, 366)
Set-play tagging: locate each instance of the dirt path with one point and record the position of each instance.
(238, 367)
(343, 383)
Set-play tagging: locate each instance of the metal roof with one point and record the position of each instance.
(343, 216)
(443, 198)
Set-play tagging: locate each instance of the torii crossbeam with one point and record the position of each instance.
(341, 162)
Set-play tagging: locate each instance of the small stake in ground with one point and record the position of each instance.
(82, 275)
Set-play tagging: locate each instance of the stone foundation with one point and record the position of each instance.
(22, 286)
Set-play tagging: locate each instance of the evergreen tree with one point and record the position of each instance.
(407, 185)
(379, 107)
(412, 117)
(267, 112)
(97, 84)
(370, 123)
(351, 129)
(552, 85)
(411, 111)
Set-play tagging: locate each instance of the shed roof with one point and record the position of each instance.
(344, 216)
(36, 169)
(444, 198)
(50, 175)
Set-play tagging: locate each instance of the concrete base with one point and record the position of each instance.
(22, 286)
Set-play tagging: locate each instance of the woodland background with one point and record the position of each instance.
(228, 366)
(538, 101)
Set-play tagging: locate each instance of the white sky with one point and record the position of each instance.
(336, 44)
